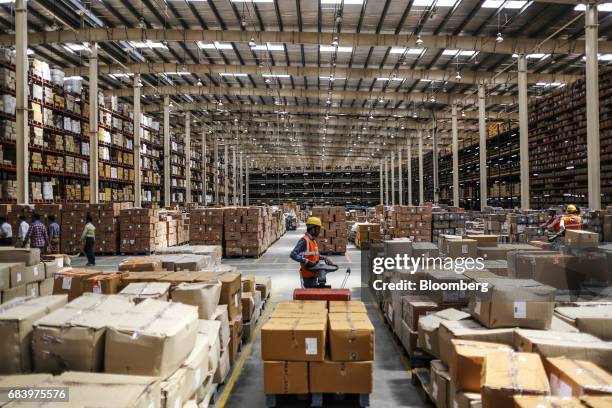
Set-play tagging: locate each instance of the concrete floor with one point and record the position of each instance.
(244, 386)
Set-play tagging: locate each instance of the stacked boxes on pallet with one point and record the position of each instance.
(244, 231)
(105, 219)
(74, 216)
(366, 232)
(22, 273)
(206, 226)
(411, 221)
(334, 237)
(452, 223)
(526, 227)
(142, 231)
(294, 344)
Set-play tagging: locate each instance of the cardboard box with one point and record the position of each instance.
(513, 303)
(578, 239)
(153, 338)
(71, 282)
(223, 367)
(235, 338)
(13, 293)
(409, 339)
(72, 337)
(461, 248)
(141, 264)
(28, 256)
(139, 291)
(350, 306)
(204, 295)
(131, 277)
(462, 399)
(507, 374)
(467, 358)
(540, 401)
(16, 319)
(13, 274)
(578, 346)
(94, 389)
(299, 339)
(285, 377)
(351, 337)
(413, 309)
(45, 288)
(428, 329)
(440, 384)
(5, 275)
(211, 330)
(577, 377)
(468, 329)
(231, 288)
(248, 283)
(595, 319)
(263, 284)
(107, 284)
(34, 273)
(221, 316)
(484, 240)
(307, 306)
(341, 377)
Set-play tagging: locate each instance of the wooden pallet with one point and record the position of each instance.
(316, 399)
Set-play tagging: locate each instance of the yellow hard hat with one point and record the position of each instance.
(571, 208)
(314, 221)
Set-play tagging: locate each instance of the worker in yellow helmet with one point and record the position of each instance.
(571, 220)
(306, 252)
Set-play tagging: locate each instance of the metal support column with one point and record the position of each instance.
(421, 190)
(137, 131)
(434, 157)
(247, 180)
(523, 130)
(401, 178)
(167, 181)
(455, 143)
(21, 108)
(204, 168)
(216, 169)
(482, 146)
(392, 178)
(381, 184)
(386, 182)
(188, 198)
(241, 182)
(94, 193)
(409, 165)
(592, 107)
(225, 173)
(234, 177)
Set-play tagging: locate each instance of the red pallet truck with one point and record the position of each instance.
(323, 291)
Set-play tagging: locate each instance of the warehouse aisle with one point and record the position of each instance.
(244, 388)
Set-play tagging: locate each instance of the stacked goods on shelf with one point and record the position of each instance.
(177, 227)
(526, 227)
(195, 163)
(151, 160)
(22, 273)
(496, 224)
(558, 145)
(365, 233)
(452, 223)
(334, 236)
(105, 218)
(177, 168)
(411, 222)
(244, 230)
(294, 343)
(206, 226)
(141, 230)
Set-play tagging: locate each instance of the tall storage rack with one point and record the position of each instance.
(177, 168)
(557, 145)
(358, 187)
(151, 161)
(197, 181)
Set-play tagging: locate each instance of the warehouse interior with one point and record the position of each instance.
(178, 177)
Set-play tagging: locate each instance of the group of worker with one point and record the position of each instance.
(47, 240)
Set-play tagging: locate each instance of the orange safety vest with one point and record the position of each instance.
(312, 254)
(572, 222)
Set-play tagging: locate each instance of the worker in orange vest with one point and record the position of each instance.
(306, 252)
(571, 220)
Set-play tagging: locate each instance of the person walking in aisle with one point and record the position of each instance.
(88, 237)
(6, 233)
(24, 227)
(37, 234)
(306, 252)
(54, 235)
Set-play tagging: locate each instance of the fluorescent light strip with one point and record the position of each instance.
(389, 79)
(269, 47)
(177, 73)
(252, 1)
(74, 48)
(513, 4)
(462, 53)
(438, 3)
(538, 56)
(147, 44)
(601, 7)
(332, 79)
(276, 75)
(331, 48)
(411, 51)
(345, 2)
(232, 74)
(214, 46)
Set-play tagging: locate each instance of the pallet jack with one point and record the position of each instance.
(323, 291)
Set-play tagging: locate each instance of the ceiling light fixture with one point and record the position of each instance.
(419, 41)
(252, 42)
(499, 39)
(458, 76)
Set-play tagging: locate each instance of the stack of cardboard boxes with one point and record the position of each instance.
(206, 226)
(295, 343)
(411, 221)
(244, 231)
(526, 227)
(23, 274)
(334, 236)
(452, 223)
(366, 232)
(142, 231)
